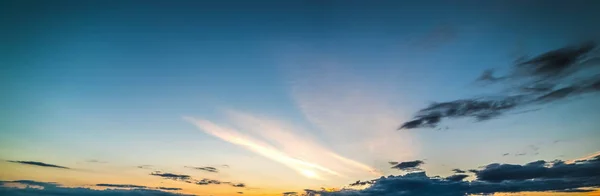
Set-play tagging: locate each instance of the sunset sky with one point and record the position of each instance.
(273, 97)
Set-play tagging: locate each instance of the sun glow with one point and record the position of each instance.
(309, 174)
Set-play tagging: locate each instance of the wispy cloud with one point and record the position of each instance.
(39, 164)
(266, 137)
(351, 112)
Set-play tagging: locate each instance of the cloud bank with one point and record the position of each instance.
(537, 176)
(35, 188)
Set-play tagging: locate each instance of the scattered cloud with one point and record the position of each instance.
(409, 165)
(207, 169)
(171, 176)
(35, 188)
(238, 185)
(240, 192)
(39, 164)
(544, 79)
(537, 176)
(505, 154)
(208, 182)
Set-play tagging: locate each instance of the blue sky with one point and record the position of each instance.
(115, 82)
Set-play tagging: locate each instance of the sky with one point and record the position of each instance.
(296, 97)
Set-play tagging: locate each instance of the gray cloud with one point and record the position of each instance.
(544, 79)
(409, 165)
(39, 164)
(207, 169)
(122, 186)
(171, 176)
(458, 171)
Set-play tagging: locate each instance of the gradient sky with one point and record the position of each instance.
(289, 95)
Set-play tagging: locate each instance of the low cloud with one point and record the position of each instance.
(290, 194)
(35, 188)
(547, 78)
(39, 164)
(537, 176)
(122, 186)
(409, 165)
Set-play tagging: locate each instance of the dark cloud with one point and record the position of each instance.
(34, 183)
(549, 77)
(238, 185)
(361, 183)
(132, 186)
(409, 165)
(168, 188)
(505, 154)
(541, 170)
(39, 164)
(290, 194)
(393, 162)
(457, 177)
(537, 176)
(459, 171)
(171, 176)
(240, 192)
(207, 182)
(51, 188)
(208, 169)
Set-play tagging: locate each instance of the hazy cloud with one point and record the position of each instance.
(546, 78)
(207, 169)
(145, 166)
(95, 161)
(39, 164)
(51, 188)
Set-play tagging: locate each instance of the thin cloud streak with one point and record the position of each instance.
(265, 150)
